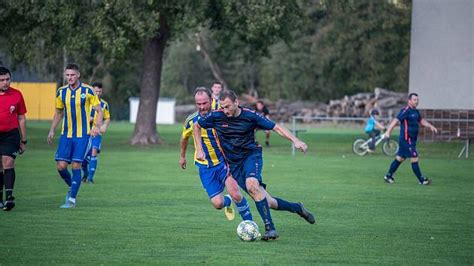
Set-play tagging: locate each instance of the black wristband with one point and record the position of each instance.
(24, 141)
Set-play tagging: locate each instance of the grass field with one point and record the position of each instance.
(144, 209)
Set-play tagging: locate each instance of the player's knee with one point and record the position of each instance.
(217, 202)
(76, 165)
(400, 159)
(414, 160)
(61, 166)
(236, 197)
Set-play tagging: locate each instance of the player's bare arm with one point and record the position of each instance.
(58, 116)
(198, 141)
(182, 155)
(99, 121)
(288, 135)
(22, 123)
(104, 127)
(392, 125)
(425, 123)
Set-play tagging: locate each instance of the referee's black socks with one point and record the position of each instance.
(1, 185)
(9, 182)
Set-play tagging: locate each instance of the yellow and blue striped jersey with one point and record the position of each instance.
(104, 106)
(77, 105)
(210, 142)
(215, 104)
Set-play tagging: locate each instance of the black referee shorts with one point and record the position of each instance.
(10, 143)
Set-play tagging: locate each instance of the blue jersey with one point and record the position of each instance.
(237, 134)
(409, 123)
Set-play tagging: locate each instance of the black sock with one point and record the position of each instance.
(1, 185)
(9, 182)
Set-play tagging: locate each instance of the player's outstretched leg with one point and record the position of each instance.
(294, 207)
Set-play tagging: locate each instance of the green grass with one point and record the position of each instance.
(145, 210)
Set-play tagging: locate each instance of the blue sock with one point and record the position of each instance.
(284, 205)
(244, 209)
(76, 182)
(393, 168)
(416, 169)
(66, 176)
(85, 168)
(227, 201)
(92, 167)
(264, 211)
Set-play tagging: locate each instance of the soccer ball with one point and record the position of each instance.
(248, 231)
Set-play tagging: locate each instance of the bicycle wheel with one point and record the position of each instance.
(359, 148)
(390, 147)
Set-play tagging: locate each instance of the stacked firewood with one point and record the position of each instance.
(358, 105)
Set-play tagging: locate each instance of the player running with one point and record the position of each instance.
(213, 170)
(236, 129)
(409, 119)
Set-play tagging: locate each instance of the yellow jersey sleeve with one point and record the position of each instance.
(59, 102)
(106, 111)
(187, 129)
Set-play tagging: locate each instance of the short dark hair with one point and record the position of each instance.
(202, 90)
(97, 84)
(228, 94)
(217, 82)
(411, 95)
(261, 102)
(72, 66)
(4, 71)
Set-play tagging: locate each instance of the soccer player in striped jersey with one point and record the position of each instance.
(213, 170)
(89, 165)
(409, 119)
(216, 90)
(73, 106)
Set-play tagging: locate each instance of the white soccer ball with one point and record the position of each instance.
(248, 231)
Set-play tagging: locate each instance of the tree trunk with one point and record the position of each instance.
(145, 128)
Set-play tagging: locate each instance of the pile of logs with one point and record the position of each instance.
(358, 105)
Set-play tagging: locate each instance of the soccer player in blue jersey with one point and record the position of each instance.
(236, 129)
(409, 119)
(216, 92)
(89, 166)
(73, 106)
(213, 169)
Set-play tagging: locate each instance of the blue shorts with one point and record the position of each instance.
(72, 149)
(407, 150)
(213, 179)
(250, 167)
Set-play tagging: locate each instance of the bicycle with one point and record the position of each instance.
(361, 145)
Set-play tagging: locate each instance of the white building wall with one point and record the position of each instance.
(441, 55)
(164, 111)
